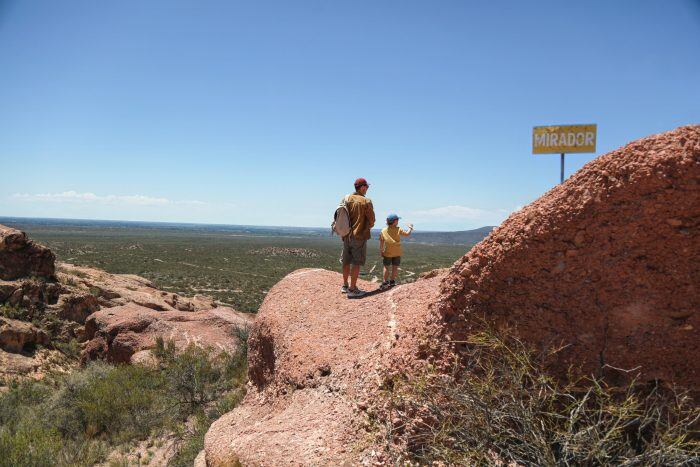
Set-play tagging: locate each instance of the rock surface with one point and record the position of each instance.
(17, 336)
(35, 366)
(127, 312)
(315, 360)
(119, 289)
(120, 333)
(605, 264)
(21, 257)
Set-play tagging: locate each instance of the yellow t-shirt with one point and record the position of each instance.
(392, 240)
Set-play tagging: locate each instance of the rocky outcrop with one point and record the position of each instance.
(112, 290)
(604, 266)
(31, 293)
(316, 361)
(127, 312)
(35, 365)
(21, 257)
(117, 334)
(77, 307)
(17, 336)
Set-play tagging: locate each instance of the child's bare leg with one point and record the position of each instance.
(394, 272)
(386, 273)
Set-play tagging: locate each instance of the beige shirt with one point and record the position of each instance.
(361, 216)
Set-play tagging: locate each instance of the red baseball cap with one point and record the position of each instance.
(361, 182)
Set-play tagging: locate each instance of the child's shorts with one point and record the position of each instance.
(395, 261)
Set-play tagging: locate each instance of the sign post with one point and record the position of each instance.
(562, 139)
(562, 168)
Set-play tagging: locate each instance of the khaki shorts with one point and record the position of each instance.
(354, 251)
(395, 261)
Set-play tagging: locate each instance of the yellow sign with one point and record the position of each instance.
(560, 139)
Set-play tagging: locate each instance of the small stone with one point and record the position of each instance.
(673, 222)
(580, 238)
(560, 267)
(680, 314)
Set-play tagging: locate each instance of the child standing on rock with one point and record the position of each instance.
(390, 248)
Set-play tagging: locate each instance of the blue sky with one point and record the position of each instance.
(265, 112)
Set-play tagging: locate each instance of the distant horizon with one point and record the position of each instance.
(376, 227)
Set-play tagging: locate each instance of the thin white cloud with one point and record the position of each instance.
(75, 197)
(456, 217)
(453, 212)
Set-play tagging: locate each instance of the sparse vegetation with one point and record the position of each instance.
(47, 322)
(16, 312)
(77, 273)
(499, 405)
(83, 415)
(69, 348)
(236, 267)
(278, 251)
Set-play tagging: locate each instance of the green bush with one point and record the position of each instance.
(242, 333)
(119, 402)
(21, 400)
(16, 312)
(195, 377)
(28, 436)
(70, 348)
(499, 405)
(192, 442)
(30, 444)
(77, 419)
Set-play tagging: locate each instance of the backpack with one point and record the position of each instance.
(341, 219)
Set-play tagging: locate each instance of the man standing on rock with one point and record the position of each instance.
(361, 214)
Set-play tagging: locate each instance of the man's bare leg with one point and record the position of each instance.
(354, 273)
(346, 274)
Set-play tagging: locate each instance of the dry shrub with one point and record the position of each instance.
(499, 406)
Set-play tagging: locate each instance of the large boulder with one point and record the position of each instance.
(316, 361)
(605, 265)
(21, 257)
(117, 334)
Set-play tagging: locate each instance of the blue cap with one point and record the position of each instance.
(392, 217)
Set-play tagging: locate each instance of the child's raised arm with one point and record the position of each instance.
(406, 233)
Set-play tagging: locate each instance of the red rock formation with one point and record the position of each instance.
(17, 336)
(21, 257)
(117, 333)
(315, 362)
(133, 311)
(605, 264)
(119, 289)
